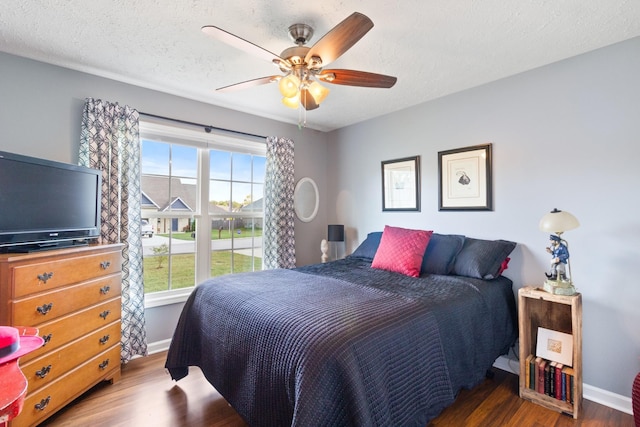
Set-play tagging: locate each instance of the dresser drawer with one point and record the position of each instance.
(56, 272)
(53, 365)
(67, 328)
(53, 396)
(44, 307)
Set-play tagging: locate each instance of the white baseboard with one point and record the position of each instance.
(507, 364)
(607, 398)
(595, 394)
(158, 346)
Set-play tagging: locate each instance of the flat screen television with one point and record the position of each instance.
(46, 204)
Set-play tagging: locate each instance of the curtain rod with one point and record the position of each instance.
(207, 128)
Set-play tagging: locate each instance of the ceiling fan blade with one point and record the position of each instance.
(307, 100)
(249, 83)
(242, 44)
(357, 78)
(339, 39)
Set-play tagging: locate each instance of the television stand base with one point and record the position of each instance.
(45, 246)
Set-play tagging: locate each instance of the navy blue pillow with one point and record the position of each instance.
(367, 249)
(482, 259)
(441, 253)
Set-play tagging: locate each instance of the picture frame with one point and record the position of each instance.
(555, 346)
(464, 176)
(401, 184)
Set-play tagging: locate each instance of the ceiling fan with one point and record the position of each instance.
(303, 66)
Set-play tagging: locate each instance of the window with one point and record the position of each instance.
(201, 208)
(236, 189)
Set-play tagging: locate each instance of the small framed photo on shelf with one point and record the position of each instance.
(465, 179)
(401, 184)
(555, 346)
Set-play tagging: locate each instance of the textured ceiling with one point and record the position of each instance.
(433, 47)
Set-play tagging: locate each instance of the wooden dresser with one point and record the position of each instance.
(73, 297)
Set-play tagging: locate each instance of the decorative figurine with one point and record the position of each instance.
(324, 247)
(559, 257)
(559, 278)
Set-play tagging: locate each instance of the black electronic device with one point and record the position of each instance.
(46, 204)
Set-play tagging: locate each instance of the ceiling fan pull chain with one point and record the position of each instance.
(302, 112)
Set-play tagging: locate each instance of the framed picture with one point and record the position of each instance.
(401, 184)
(465, 179)
(555, 346)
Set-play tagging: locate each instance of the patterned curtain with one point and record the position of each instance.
(110, 142)
(278, 241)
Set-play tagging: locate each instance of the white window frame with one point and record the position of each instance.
(214, 140)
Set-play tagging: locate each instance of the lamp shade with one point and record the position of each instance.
(289, 86)
(558, 221)
(335, 233)
(318, 92)
(292, 102)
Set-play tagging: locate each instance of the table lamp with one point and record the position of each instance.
(335, 233)
(559, 280)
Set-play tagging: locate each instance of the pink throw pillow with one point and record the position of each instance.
(503, 266)
(401, 250)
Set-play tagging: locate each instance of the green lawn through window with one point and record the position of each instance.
(156, 267)
(156, 271)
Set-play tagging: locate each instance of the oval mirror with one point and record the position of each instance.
(306, 199)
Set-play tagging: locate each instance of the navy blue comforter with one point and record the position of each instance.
(342, 344)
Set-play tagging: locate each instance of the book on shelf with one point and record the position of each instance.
(527, 371)
(558, 381)
(541, 376)
(532, 374)
(536, 373)
(550, 378)
(563, 392)
(547, 376)
(569, 381)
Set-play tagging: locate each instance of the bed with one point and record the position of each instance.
(345, 343)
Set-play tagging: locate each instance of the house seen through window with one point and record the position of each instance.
(202, 211)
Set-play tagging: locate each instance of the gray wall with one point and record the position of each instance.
(565, 135)
(40, 114)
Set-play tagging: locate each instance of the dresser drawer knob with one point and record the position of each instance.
(105, 289)
(46, 339)
(105, 313)
(44, 371)
(44, 309)
(104, 364)
(45, 276)
(105, 264)
(104, 339)
(43, 404)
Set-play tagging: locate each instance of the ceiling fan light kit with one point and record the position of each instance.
(303, 66)
(300, 83)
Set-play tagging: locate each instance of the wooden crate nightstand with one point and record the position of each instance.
(562, 313)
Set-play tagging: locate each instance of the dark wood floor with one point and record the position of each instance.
(146, 396)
